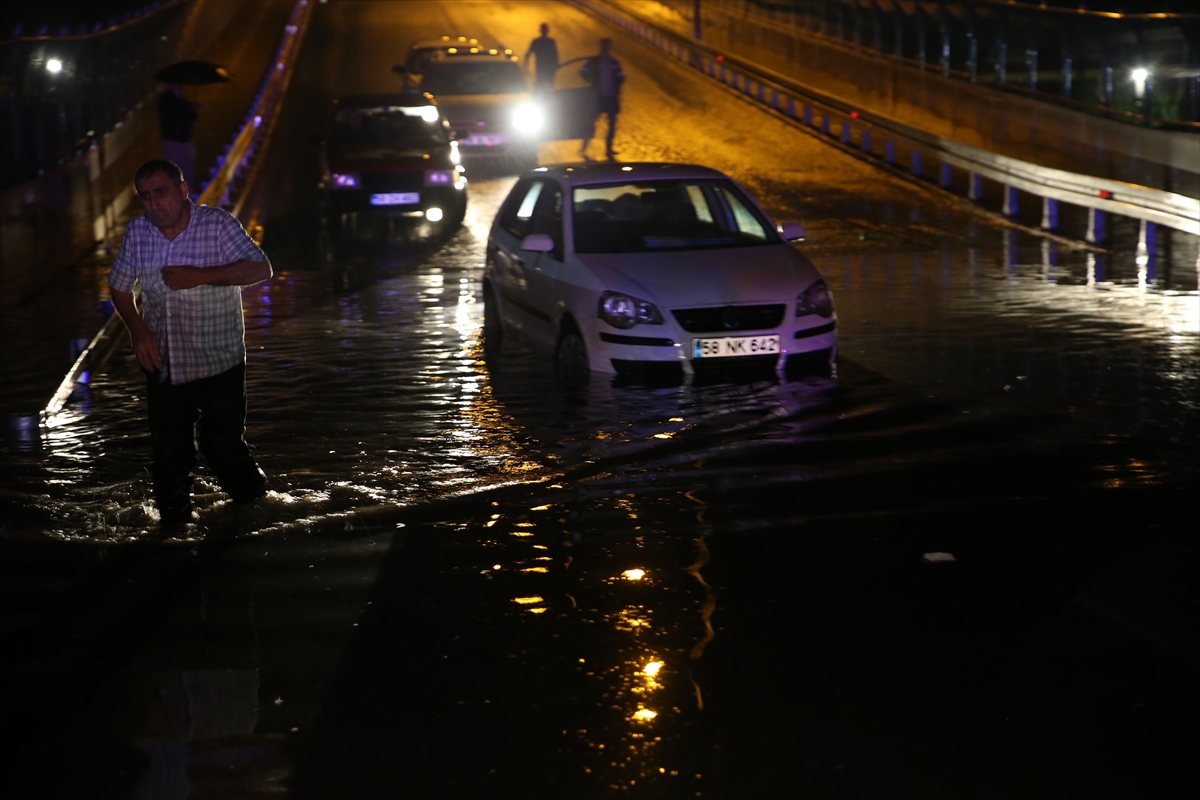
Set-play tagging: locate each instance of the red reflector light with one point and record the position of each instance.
(853, 115)
(720, 58)
(1105, 194)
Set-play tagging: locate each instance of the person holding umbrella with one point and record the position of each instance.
(177, 115)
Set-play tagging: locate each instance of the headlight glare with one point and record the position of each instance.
(527, 119)
(816, 299)
(344, 180)
(439, 177)
(623, 311)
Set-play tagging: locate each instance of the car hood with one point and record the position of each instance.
(384, 157)
(478, 106)
(697, 278)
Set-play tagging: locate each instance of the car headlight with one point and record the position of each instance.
(623, 311)
(816, 299)
(439, 177)
(429, 113)
(527, 118)
(345, 180)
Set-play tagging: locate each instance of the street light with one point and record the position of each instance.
(53, 66)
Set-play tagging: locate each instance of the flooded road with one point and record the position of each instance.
(469, 581)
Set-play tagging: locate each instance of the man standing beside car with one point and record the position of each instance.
(605, 75)
(545, 52)
(191, 262)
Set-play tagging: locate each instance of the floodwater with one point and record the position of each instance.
(471, 581)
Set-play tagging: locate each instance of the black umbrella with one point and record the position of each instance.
(192, 73)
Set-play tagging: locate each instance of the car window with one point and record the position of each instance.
(548, 217)
(488, 77)
(746, 222)
(517, 215)
(665, 215)
(385, 125)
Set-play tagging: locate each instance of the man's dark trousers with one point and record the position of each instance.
(218, 404)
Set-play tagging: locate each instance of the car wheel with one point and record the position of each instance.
(570, 357)
(493, 326)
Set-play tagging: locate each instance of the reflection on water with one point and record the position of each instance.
(972, 378)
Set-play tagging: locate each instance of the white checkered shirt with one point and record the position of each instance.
(200, 330)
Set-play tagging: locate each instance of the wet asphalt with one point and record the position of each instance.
(472, 582)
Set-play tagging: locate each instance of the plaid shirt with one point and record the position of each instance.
(200, 330)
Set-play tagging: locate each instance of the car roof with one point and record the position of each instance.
(618, 172)
(459, 42)
(409, 98)
(471, 58)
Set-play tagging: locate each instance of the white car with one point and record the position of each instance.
(660, 272)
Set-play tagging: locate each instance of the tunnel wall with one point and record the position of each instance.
(49, 221)
(994, 120)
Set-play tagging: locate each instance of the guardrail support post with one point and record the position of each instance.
(775, 99)
(808, 116)
(1147, 247)
(846, 131)
(791, 107)
(866, 143)
(1096, 233)
(975, 187)
(889, 150)
(916, 163)
(1010, 201)
(944, 175)
(825, 124)
(1049, 214)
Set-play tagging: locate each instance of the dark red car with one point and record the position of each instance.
(392, 154)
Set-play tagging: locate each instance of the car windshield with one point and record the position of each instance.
(385, 125)
(666, 215)
(494, 77)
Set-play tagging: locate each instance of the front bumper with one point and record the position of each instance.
(359, 201)
(663, 352)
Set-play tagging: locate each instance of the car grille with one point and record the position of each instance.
(393, 181)
(730, 318)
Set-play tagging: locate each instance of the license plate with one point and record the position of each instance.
(736, 346)
(484, 139)
(396, 199)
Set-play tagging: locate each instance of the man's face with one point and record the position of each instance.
(545, 29)
(163, 201)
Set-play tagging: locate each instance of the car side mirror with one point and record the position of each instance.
(538, 243)
(400, 69)
(792, 231)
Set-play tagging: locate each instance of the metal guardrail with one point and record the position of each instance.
(784, 94)
(241, 156)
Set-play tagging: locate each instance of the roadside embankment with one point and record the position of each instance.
(1005, 123)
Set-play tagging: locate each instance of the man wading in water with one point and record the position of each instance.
(191, 262)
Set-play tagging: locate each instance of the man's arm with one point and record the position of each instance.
(145, 343)
(240, 273)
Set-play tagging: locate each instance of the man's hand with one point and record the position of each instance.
(184, 277)
(145, 343)
(145, 347)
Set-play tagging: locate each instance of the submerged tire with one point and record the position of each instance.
(570, 357)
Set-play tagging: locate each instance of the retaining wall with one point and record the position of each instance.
(49, 221)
